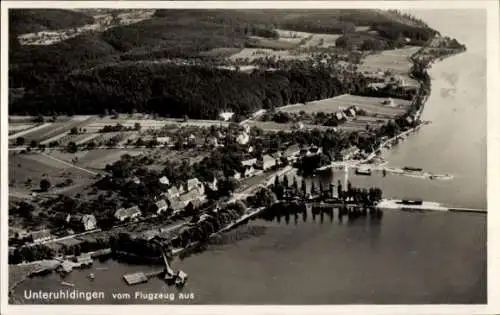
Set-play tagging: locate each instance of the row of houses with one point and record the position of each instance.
(176, 198)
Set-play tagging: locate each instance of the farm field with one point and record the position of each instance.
(272, 126)
(49, 131)
(396, 60)
(37, 167)
(18, 127)
(373, 105)
(256, 53)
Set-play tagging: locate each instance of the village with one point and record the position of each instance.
(137, 185)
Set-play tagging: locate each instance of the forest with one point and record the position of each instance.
(43, 71)
(177, 91)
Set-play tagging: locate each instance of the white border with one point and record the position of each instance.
(493, 149)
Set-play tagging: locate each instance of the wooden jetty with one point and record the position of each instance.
(135, 278)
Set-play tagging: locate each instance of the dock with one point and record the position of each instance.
(135, 278)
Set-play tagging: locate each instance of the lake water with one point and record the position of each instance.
(401, 258)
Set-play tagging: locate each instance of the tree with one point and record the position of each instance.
(73, 131)
(45, 185)
(20, 141)
(137, 126)
(72, 147)
(33, 144)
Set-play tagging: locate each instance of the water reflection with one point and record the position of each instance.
(320, 214)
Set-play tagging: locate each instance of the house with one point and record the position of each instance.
(213, 185)
(237, 175)
(164, 180)
(172, 192)
(268, 162)
(349, 152)
(303, 151)
(83, 260)
(226, 115)
(161, 206)
(176, 204)
(291, 152)
(149, 234)
(192, 195)
(164, 140)
(249, 171)
(194, 183)
(41, 236)
(315, 150)
(249, 162)
(85, 222)
(243, 138)
(212, 142)
(123, 214)
(339, 115)
(352, 112)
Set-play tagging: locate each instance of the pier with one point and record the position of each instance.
(396, 204)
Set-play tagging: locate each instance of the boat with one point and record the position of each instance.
(361, 171)
(412, 169)
(181, 278)
(91, 276)
(67, 284)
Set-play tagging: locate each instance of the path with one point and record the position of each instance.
(69, 164)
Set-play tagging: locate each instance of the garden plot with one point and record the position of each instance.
(396, 61)
(373, 105)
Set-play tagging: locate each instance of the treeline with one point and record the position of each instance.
(35, 20)
(177, 91)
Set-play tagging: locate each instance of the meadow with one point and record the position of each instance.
(372, 105)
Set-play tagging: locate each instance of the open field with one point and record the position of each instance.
(311, 39)
(95, 159)
(396, 61)
(37, 167)
(373, 105)
(278, 44)
(52, 131)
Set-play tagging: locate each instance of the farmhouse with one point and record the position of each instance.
(41, 236)
(129, 213)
